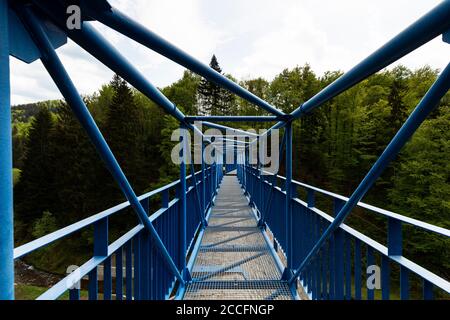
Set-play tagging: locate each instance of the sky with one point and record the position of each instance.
(251, 38)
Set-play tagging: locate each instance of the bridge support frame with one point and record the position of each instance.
(62, 80)
(6, 184)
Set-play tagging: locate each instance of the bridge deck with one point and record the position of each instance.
(234, 260)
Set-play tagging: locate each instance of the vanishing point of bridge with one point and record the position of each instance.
(239, 234)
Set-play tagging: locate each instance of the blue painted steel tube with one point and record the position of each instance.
(6, 185)
(431, 25)
(93, 42)
(233, 118)
(423, 109)
(288, 209)
(65, 85)
(183, 205)
(125, 25)
(203, 182)
(233, 130)
(423, 30)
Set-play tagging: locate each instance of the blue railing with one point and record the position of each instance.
(144, 274)
(337, 271)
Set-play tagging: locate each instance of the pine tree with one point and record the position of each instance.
(34, 194)
(77, 168)
(396, 96)
(213, 99)
(123, 132)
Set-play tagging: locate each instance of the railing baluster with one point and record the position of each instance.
(427, 290)
(159, 278)
(370, 262)
(119, 274)
(332, 269)
(348, 267)
(357, 263)
(137, 267)
(385, 277)
(339, 264)
(325, 280)
(100, 249)
(404, 283)
(129, 271)
(151, 272)
(74, 294)
(101, 238)
(317, 270)
(107, 279)
(339, 254)
(144, 239)
(93, 284)
(394, 237)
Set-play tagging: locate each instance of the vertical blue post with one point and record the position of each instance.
(119, 274)
(107, 279)
(394, 237)
(6, 200)
(128, 271)
(357, 262)
(203, 181)
(404, 283)
(182, 195)
(288, 211)
(262, 148)
(370, 262)
(339, 236)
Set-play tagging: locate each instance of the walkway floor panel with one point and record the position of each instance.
(234, 260)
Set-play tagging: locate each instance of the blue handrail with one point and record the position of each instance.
(308, 219)
(173, 205)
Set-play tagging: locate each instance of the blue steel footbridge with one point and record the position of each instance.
(225, 231)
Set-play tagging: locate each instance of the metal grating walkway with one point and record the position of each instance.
(234, 260)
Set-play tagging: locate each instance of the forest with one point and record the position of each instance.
(59, 179)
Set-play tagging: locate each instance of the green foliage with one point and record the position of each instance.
(44, 225)
(334, 147)
(16, 176)
(34, 191)
(213, 99)
(421, 188)
(183, 93)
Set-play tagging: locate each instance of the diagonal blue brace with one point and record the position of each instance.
(130, 28)
(56, 70)
(94, 43)
(420, 113)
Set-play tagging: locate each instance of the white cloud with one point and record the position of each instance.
(251, 38)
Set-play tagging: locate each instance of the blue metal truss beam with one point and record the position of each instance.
(130, 28)
(62, 80)
(233, 118)
(428, 27)
(94, 43)
(233, 130)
